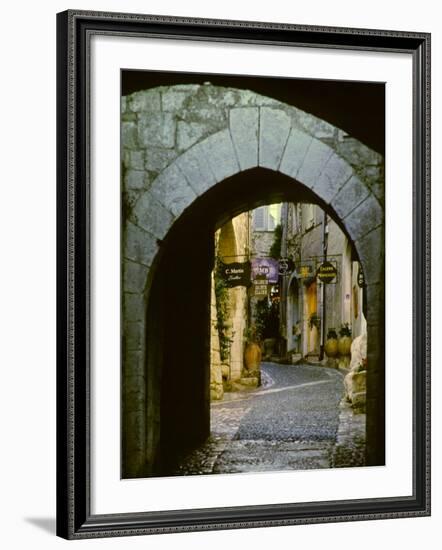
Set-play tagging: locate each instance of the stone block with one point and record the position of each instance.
(248, 98)
(138, 245)
(134, 179)
(156, 130)
(364, 218)
(149, 214)
(357, 153)
(221, 155)
(313, 165)
(144, 101)
(188, 133)
(123, 104)
(333, 177)
(173, 100)
(134, 376)
(129, 135)
(135, 425)
(134, 400)
(133, 307)
(195, 166)
(156, 158)
(371, 253)
(136, 160)
(244, 131)
(134, 276)
(216, 392)
(295, 151)
(316, 127)
(350, 195)
(274, 129)
(376, 334)
(172, 190)
(133, 335)
(375, 302)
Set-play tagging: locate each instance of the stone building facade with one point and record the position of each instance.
(314, 307)
(231, 246)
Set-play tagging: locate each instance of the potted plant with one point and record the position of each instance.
(331, 344)
(344, 342)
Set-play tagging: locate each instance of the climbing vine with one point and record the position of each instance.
(275, 249)
(222, 310)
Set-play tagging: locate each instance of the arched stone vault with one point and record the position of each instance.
(179, 142)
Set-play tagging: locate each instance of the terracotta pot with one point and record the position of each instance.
(331, 347)
(252, 357)
(344, 345)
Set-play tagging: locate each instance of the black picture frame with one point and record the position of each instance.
(74, 518)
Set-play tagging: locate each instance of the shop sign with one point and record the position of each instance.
(267, 267)
(236, 274)
(285, 266)
(327, 272)
(260, 287)
(304, 270)
(361, 277)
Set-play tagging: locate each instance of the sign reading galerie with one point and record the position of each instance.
(327, 272)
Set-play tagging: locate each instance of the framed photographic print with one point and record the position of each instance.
(243, 274)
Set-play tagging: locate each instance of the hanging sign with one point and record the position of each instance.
(285, 266)
(327, 272)
(361, 277)
(260, 287)
(304, 270)
(236, 274)
(265, 266)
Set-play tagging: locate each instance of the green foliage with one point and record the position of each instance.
(332, 334)
(267, 319)
(345, 330)
(222, 310)
(275, 249)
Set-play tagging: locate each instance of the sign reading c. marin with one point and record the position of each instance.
(236, 273)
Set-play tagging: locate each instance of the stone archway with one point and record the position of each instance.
(182, 141)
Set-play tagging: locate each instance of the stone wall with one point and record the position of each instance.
(231, 245)
(180, 141)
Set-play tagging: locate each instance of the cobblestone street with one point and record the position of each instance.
(295, 420)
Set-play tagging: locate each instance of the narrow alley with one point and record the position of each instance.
(295, 420)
